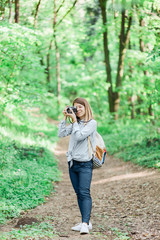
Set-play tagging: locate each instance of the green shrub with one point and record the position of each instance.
(133, 141)
(36, 231)
(28, 167)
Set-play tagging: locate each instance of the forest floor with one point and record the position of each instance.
(126, 199)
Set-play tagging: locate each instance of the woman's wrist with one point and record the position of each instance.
(65, 118)
(74, 120)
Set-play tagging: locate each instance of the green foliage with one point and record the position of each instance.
(83, 67)
(24, 57)
(19, 62)
(36, 231)
(120, 235)
(26, 143)
(133, 141)
(22, 74)
(28, 169)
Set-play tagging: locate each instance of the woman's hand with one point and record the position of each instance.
(71, 115)
(65, 112)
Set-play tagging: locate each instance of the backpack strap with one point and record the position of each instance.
(90, 146)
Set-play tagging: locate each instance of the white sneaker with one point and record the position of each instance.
(84, 228)
(78, 226)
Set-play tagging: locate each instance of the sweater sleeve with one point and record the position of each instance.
(64, 131)
(85, 132)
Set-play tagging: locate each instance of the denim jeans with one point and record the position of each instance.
(81, 175)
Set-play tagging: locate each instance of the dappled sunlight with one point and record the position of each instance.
(124, 177)
(22, 139)
(30, 122)
(117, 169)
(59, 152)
(62, 146)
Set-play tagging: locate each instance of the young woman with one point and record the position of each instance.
(79, 159)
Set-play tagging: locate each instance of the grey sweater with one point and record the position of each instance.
(78, 144)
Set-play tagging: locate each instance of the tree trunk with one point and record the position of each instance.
(114, 97)
(141, 43)
(16, 18)
(132, 105)
(150, 110)
(139, 100)
(54, 39)
(115, 13)
(142, 49)
(48, 62)
(124, 40)
(58, 70)
(133, 111)
(57, 54)
(10, 11)
(36, 13)
(146, 73)
(2, 11)
(106, 55)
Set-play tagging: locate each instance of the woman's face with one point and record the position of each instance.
(80, 110)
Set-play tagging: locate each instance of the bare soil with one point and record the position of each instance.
(125, 197)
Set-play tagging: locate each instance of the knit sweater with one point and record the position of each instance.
(78, 144)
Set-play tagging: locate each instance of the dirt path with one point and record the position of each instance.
(125, 196)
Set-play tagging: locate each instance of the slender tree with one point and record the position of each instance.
(54, 40)
(57, 53)
(16, 18)
(124, 40)
(142, 49)
(107, 55)
(36, 13)
(2, 9)
(10, 10)
(114, 96)
(141, 43)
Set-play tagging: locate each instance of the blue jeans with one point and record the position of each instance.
(81, 175)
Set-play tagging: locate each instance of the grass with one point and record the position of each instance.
(120, 235)
(134, 141)
(28, 168)
(35, 231)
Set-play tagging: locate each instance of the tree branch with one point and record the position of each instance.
(67, 13)
(128, 29)
(60, 6)
(36, 13)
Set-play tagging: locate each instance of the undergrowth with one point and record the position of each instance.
(133, 141)
(28, 168)
(37, 231)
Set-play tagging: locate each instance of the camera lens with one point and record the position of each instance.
(68, 110)
(74, 109)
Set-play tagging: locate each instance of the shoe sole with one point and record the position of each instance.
(90, 228)
(83, 233)
(75, 230)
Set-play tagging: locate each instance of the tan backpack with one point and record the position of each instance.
(100, 153)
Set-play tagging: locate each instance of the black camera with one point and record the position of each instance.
(73, 108)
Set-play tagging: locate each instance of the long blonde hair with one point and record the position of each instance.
(88, 110)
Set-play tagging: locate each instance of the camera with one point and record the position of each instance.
(73, 108)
